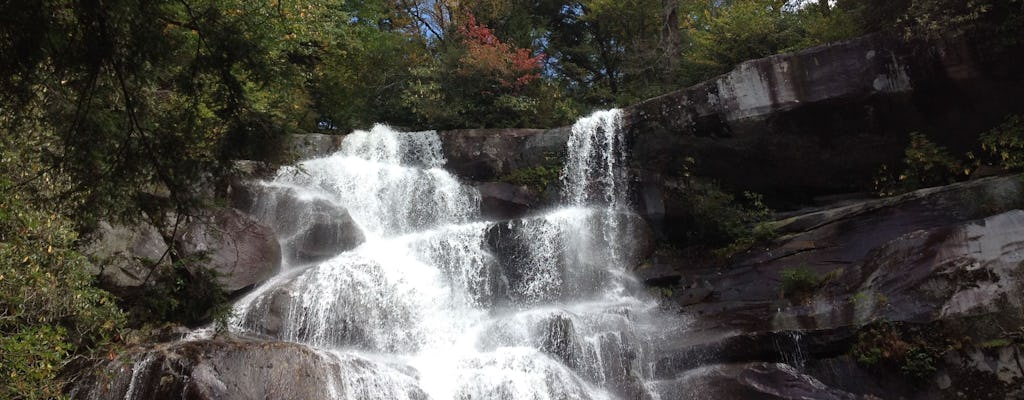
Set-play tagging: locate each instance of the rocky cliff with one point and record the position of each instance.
(915, 296)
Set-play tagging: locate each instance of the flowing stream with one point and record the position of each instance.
(439, 303)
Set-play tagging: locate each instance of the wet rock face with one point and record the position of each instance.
(943, 264)
(239, 250)
(331, 232)
(309, 229)
(566, 266)
(949, 273)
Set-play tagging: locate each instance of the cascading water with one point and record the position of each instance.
(437, 302)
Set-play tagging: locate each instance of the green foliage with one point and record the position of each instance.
(799, 283)
(1005, 143)
(925, 164)
(480, 81)
(178, 295)
(126, 96)
(539, 177)
(49, 310)
(716, 220)
(885, 346)
(747, 29)
(998, 22)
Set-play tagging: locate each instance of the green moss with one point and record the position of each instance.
(539, 177)
(996, 343)
(51, 312)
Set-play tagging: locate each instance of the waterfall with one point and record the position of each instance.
(432, 300)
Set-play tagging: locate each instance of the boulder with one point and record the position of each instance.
(310, 228)
(332, 233)
(239, 250)
(232, 368)
(662, 275)
(125, 254)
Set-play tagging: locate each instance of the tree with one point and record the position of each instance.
(482, 81)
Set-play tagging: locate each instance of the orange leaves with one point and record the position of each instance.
(486, 55)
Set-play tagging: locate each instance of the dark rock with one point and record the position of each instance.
(693, 296)
(239, 250)
(660, 275)
(806, 132)
(500, 201)
(331, 231)
(559, 340)
(486, 154)
(748, 381)
(922, 259)
(840, 241)
(242, 189)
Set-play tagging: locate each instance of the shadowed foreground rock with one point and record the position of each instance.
(230, 369)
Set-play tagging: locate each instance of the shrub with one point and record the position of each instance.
(798, 284)
(925, 164)
(537, 178)
(718, 221)
(1005, 143)
(885, 346)
(50, 311)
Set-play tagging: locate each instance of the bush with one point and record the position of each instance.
(1005, 143)
(885, 346)
(50, 311)
(925, 164)
(716, 220)
(798, 284)
(537, 178)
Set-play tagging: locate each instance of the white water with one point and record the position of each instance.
(539, 308)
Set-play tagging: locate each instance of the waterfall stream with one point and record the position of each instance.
(553, 315)
(436, 302)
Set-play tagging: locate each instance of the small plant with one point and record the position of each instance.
(799, 284)
(719, 221)
(537, 178)
(925, 164)
(1005, 143)
(918, 363)
(884, 345)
